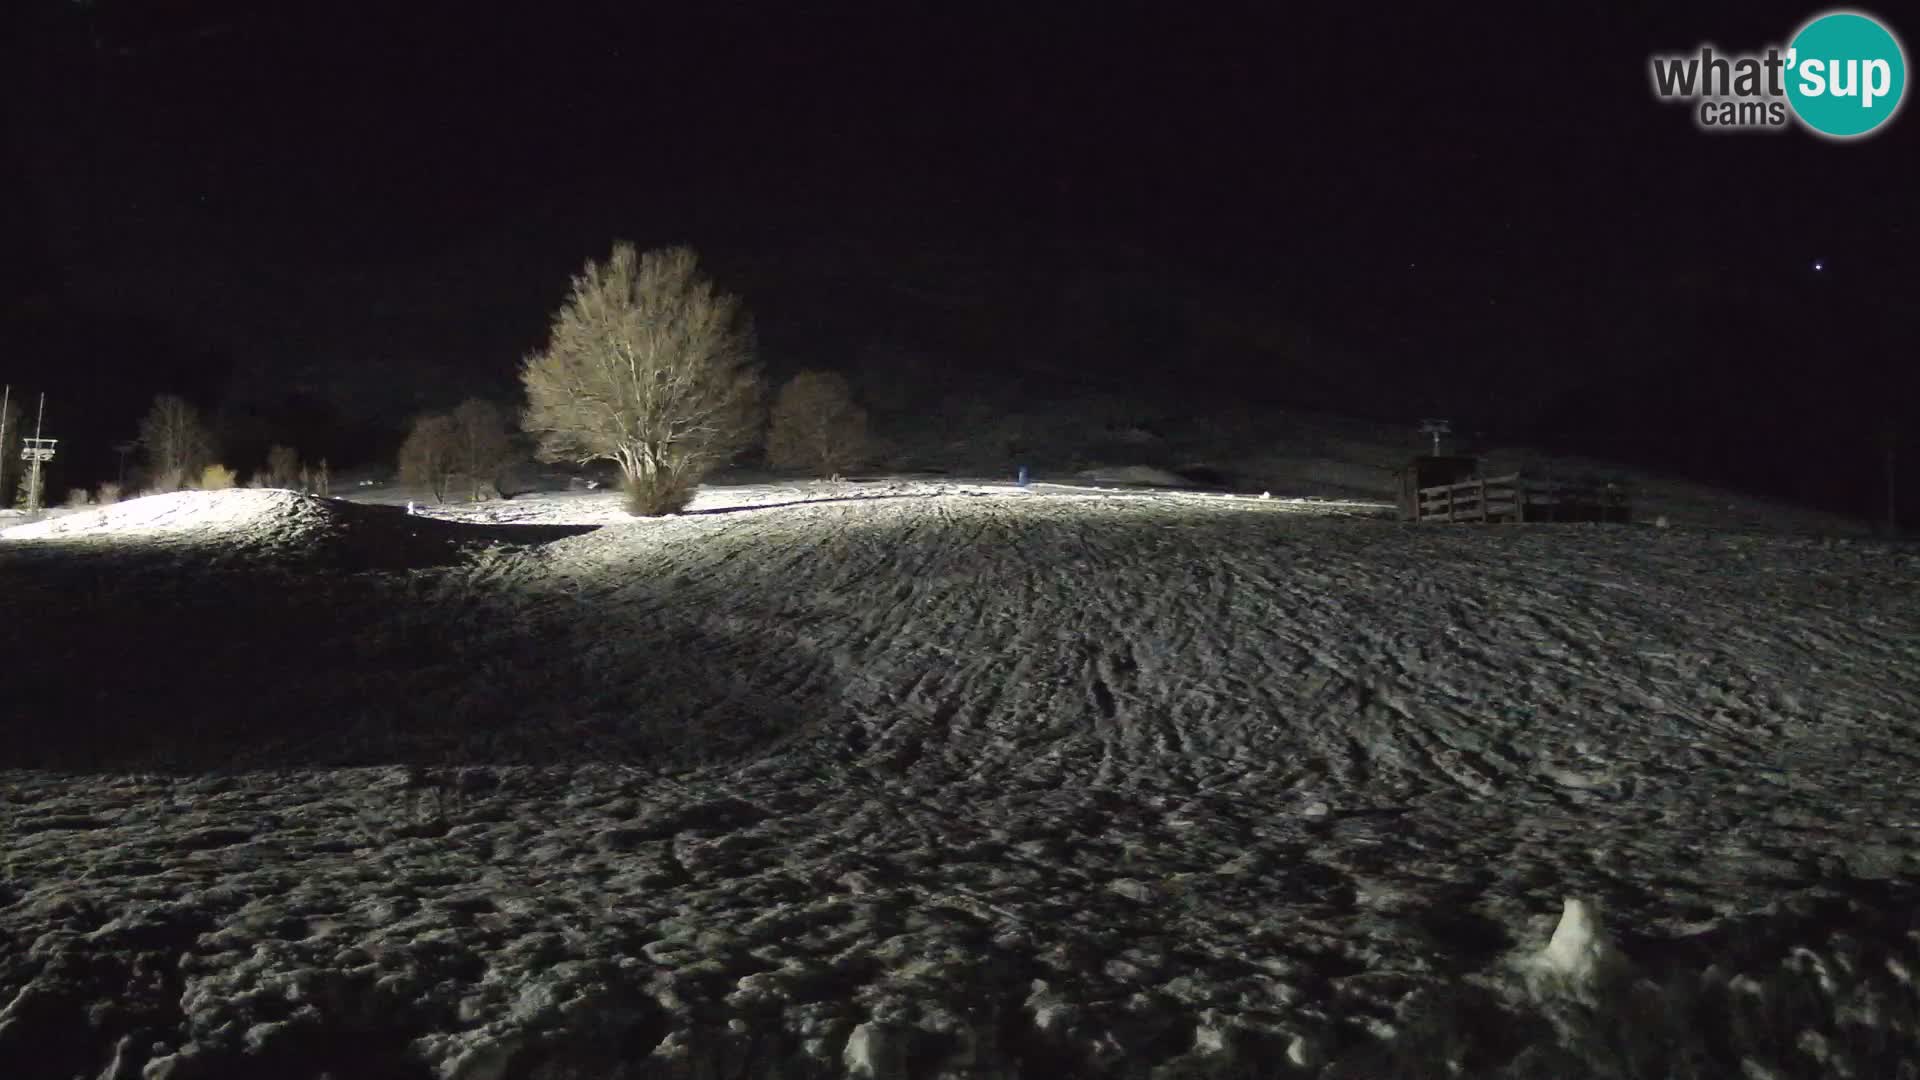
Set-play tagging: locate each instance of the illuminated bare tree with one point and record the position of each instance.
(816, 425)
(649, 367)
(176, 443)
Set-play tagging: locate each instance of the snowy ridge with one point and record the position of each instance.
(270, 526)
(235, 514)
(921, 779)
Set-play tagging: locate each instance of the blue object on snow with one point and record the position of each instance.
(1023, 476)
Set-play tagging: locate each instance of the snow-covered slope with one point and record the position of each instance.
(194, 515)
(917, 779)
(260, 527)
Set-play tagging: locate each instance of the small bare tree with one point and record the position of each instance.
(283, 466)
(176, 443)
(649, 367)
(426, 457)
(481, 445)
(816, 425)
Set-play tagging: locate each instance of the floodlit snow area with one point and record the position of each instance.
(915, 778)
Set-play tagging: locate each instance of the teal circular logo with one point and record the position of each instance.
(1846, 74)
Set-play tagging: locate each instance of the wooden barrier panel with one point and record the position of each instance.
(1514, 497)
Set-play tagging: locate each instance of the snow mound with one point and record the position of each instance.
(1580, 955)
(282, 526)
(186, 514)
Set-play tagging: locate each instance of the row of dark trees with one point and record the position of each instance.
(647, 366)
(814, 426)
(179, 450)
(469, 443)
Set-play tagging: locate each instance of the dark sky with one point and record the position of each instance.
(253, 203)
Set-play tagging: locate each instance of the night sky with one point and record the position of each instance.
(319, 221)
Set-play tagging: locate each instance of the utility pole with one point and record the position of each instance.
(38, 451)
(6, 399)
(33, 489)
(123, 449)
(1435, 428)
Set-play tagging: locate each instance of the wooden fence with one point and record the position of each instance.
(1517, 497)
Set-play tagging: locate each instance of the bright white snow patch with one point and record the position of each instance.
(1580, 954)
(182, 512)
(609, 507)
(874, 1052)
